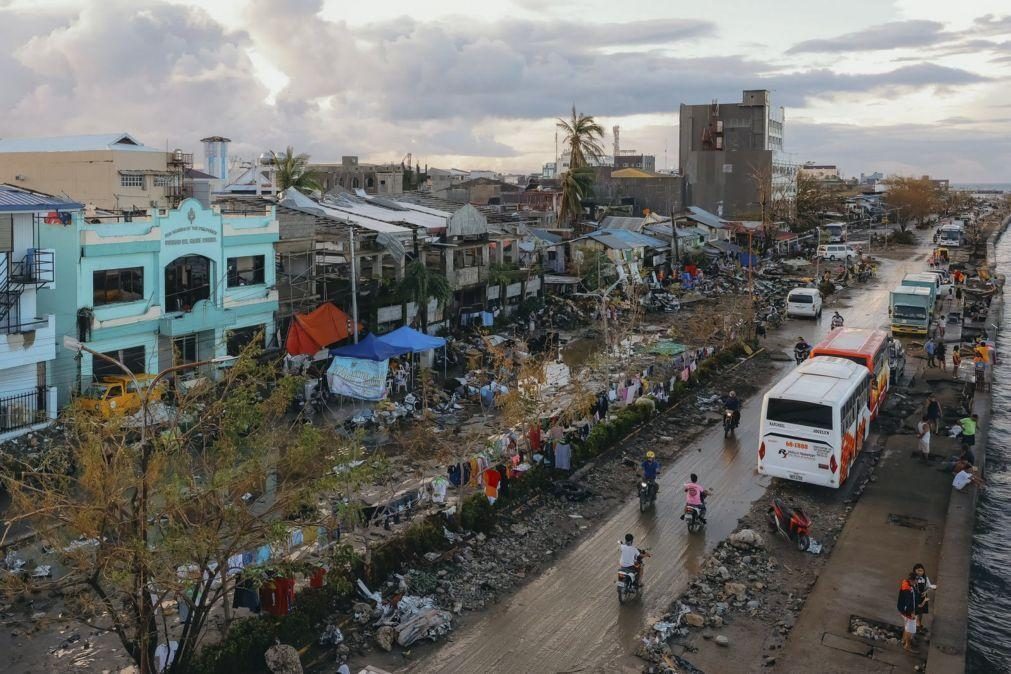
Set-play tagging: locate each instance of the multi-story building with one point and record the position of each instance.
(175, 286)
(27, 335)
(820, 172)
(731, 156)
(350, 175)
(112, 171)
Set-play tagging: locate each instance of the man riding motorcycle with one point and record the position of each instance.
(695, 497)
(629, 561)
(733, 403)
(650, 470)
(837, 320)
(801, 350)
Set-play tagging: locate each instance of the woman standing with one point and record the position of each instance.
(907, 609)
(922, 585)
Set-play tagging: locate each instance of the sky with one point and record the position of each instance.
(899, 86)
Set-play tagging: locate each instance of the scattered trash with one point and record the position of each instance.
(814, 547)
(332, 636)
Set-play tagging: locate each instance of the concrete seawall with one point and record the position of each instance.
(950, 602)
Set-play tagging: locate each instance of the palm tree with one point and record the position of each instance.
(583, 137)
(292, 170)
(420, 285)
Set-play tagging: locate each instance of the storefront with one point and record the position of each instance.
(177, 286)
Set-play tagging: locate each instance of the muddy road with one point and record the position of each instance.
(568, 619)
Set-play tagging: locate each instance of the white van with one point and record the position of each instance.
(804, 302)
(837, 251)
(815, 421)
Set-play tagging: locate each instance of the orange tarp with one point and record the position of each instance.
(313, 331)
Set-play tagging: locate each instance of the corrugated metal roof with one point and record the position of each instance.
(95, 142)
(14, 199)
(706, 218)
(545, 235)
(623, 239)
(633, 224)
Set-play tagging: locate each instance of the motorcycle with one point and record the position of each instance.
(837, 321)
(800, 354)
(647, 494)
(693, 518)
(791, 523)
(629, 585)
(730, 422)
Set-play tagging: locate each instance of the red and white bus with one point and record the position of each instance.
(864, 347)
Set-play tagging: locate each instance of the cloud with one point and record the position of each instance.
(892, 35)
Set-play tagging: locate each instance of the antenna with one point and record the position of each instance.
(617, 144)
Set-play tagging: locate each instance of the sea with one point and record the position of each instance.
(990, 587)
(975, 187)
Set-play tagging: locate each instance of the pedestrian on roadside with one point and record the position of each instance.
(940, 351)
(955, 464)
(932, 412)
(906, 606)
(956, 360)
(923, 586)
(969, 425)
(923, 433)
(930, 348)
(958, 294)
(965, 477)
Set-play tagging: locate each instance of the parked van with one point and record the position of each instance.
(119, 394)
(837, 251)
(804, 302)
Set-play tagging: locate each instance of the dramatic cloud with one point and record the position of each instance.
(884, 36)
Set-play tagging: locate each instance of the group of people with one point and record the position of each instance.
(913, 604)
(962, 465)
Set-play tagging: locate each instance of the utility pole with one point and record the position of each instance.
(354, 283)
(675, 248)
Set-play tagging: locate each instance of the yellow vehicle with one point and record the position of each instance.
(119, 394)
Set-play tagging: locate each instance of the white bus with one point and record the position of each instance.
(815, 422)
(951, 235)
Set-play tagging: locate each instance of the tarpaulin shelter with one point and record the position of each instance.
(409, 338)
(369, 348)
(318, 329)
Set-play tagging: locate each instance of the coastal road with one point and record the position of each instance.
(568, 619)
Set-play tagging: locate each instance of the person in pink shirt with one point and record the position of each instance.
(695, 495)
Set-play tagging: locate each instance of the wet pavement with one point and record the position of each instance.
(569, 619)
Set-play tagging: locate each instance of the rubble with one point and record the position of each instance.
(283, 659)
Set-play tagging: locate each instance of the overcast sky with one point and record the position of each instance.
(899, 86)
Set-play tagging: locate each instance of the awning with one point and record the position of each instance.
(409, 338)
(316, 330)
(369, 348)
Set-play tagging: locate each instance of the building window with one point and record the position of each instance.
(184, 349)
(240, 338)
(111, 286)
(245, 271)
(133, 357)
(131, 180)
(164, 181)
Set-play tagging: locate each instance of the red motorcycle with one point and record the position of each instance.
(791, 523)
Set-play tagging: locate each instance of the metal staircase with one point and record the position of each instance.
(36, 268)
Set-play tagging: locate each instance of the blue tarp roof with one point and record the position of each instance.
(409, 338)
(622, 238)
(369, 348)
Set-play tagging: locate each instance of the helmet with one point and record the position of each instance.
(650, 455)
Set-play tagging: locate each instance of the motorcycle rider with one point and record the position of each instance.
(695, 496)
(733, 403)
(801, 349)
(650, 470)
(629, 561)
(837, 320)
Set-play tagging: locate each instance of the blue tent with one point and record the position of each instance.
(369, 348)
(413, 340)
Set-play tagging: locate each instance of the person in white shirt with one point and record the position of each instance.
(629, 553)
(965, 477)
(923, 433)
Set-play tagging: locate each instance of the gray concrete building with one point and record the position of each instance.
(349, 175)
(731, 156)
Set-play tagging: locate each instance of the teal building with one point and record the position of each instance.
(176, 286)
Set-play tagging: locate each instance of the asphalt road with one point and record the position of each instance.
(569, 619)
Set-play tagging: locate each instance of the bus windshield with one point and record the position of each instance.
(900, 311)
(800, 413)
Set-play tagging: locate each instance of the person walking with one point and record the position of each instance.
(906, 606)
(930, 348)
(940, 351)
(956, 360)
(932, 412)
(923, 586)
(923, 434)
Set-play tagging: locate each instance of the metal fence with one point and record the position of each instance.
(23, 409)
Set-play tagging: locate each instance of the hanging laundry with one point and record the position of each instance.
(563, 456)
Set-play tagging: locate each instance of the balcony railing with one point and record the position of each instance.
(23, 410)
